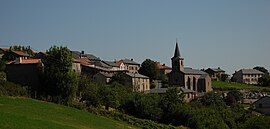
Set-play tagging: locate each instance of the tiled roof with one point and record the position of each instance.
(4, 49)
(26, 61)
(84, 61)
(193, 71)
(136, 75)
(250, 71)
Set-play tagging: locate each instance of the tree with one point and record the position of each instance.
(264, 80)
(149, 68)
(119, 78)
(2, 70)
(262, 69)
(59, 79)
(233, 97)
(224, 77)
(170, 102)
(212, 99)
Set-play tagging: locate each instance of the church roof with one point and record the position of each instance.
(193, 71)
(176, 51)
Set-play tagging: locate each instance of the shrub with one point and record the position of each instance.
(12, 89)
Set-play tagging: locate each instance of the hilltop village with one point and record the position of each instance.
(22, 64)
(151, 90)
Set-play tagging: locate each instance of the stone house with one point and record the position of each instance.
(192, 79)
(263, 105)
(103, 77)
(247, 76)
(129, 64)
(139, 82)
(215, 73)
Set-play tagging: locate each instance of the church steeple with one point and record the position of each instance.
(177, 60)
(176, 51)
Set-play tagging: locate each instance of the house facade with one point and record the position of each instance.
(215, 73)
(129, 64)
(192, 79)
(247, 76)
(139, 82)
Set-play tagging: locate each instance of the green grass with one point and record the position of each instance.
(237, 86)
(24, 113)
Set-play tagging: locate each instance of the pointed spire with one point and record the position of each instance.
(177, 52)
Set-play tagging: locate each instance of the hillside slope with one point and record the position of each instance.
(22, 113)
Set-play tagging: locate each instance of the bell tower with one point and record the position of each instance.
(177, 60)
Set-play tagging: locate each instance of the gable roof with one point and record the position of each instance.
(128, 61)
(262, 98)
(194, 71)
(250, 71)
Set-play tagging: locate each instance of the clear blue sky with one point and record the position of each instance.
(231, 34)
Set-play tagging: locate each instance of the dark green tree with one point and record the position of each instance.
(233, 97)
(149, 68)
(2, 70)
(262, 69)
(264, 80)
(119, 78)
(224, 77)
(59, 79)
(170, 102)
(212, 99)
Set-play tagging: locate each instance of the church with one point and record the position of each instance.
(188, 78)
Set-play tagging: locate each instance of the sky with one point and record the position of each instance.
(230, 34)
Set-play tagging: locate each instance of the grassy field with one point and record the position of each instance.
(237, 86)
(22, 113)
